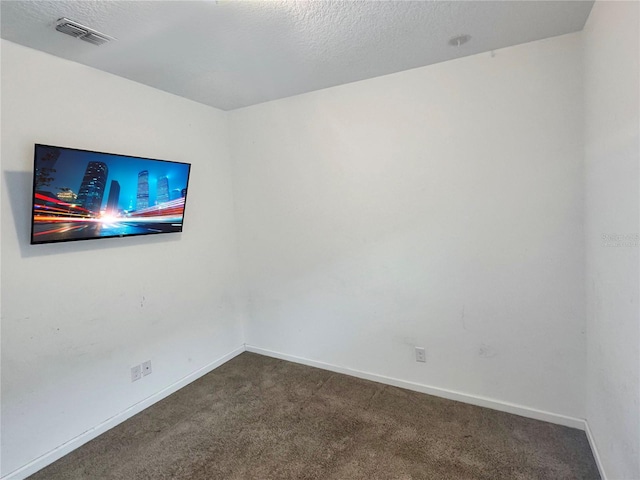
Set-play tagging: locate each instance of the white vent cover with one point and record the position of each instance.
(78, 30)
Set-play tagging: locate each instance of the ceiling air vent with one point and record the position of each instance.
(77, 30)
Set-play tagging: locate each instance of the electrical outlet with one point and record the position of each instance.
(136, 373)
(421, 355)
(146, 368)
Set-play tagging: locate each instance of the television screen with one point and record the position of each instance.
(83, 195)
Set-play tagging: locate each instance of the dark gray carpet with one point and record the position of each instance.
(260, 418)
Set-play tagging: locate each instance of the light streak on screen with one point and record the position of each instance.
(83, 195)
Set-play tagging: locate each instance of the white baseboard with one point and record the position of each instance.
(438, 392)
(67, 447)
(594, 450)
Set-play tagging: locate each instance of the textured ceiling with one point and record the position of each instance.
(230, 54)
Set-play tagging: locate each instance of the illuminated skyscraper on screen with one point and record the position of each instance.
(163, 190)
(142, 198)
(93, 186)
(114, 198)
(45, 166)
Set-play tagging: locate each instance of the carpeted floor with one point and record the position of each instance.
(260, 418)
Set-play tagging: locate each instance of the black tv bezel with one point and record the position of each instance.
(33, 195)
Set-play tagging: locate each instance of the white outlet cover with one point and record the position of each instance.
(421, 354)
(136, 373)
(146, 368)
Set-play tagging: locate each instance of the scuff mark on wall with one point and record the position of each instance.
(487, 351)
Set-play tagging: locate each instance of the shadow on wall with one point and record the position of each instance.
(19, 186)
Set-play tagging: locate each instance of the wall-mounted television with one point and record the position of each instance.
(84, 195)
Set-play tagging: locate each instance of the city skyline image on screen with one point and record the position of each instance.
(82, 195)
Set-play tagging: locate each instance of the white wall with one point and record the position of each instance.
(612, 81)
(439, 207)
(76, 316)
